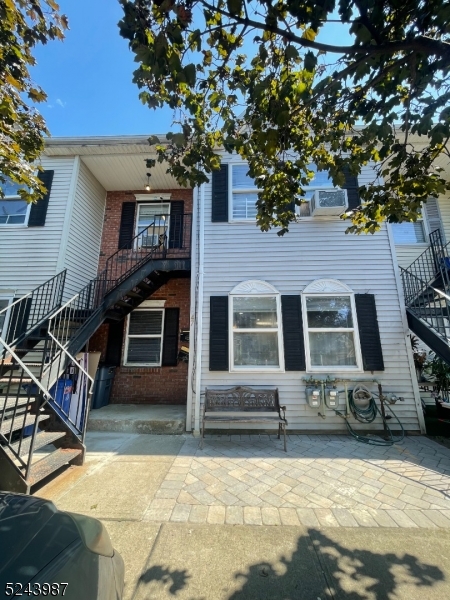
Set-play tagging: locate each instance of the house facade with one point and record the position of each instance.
(290, 312)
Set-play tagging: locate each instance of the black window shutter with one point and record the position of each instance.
(113, 353)
(218, 334)
(294, 344)
(18, 320)
(369, 333)
(352, 187)
(126, 232)
(38, 211)
(219, 211)
(170, 338)
(176, 224)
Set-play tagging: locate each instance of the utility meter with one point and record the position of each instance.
(332, 397)
(313, 396)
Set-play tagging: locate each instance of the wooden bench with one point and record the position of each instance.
(253, 406)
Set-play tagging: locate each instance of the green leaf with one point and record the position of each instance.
(310, 62)
(190, 72)
(234, 6)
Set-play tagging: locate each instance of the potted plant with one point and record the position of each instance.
(419, 357)
(440, 371)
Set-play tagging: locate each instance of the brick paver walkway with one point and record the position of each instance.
(321, 481)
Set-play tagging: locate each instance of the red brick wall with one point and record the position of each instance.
(113, 211)
(145, 385)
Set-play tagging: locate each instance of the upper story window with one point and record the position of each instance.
(409, 233)
(13, 210)
(320, 181)
(244, 194)
(255, 328)
(152, 222)
(332, 338)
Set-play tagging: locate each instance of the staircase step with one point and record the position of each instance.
(124, 304)
(146, 287)
(16, 380)
(51, 463)
(10, 404)
(19, 422)
(132, 294)
(43, 438)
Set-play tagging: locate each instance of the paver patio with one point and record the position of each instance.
(321, 481)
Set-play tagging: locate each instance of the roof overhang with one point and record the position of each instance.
(117, 162)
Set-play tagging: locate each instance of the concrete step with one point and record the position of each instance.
(139, 418)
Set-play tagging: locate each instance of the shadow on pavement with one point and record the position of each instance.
(341, 564)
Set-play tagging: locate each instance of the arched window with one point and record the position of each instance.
(331, 328)
(255, 328)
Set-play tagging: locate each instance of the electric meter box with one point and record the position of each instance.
(331, 397)
(313, 396)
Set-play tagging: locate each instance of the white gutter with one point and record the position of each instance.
(104, 140)
(192, 310)
(198, 354)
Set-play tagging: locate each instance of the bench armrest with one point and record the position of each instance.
(283, 408)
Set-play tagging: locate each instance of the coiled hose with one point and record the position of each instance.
(363, 407)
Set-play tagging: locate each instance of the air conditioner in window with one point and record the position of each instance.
(328, 203)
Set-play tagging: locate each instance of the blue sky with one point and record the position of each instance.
(87, 77)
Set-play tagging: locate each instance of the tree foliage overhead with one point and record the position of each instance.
(265, 79)
(23, 25)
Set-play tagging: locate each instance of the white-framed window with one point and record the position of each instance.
(320, 181)
(255, 327)
(243, 193)
(409, 233)
(144, 337)
(331, 328)
(153, 222)
(13, 210)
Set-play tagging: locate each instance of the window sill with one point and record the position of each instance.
(257, 370)
(14, 226)
(140, 365)
(334, 369)
(411, 245)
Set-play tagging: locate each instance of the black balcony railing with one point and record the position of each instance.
(26, 314)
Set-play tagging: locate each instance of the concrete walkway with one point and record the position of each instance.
(331, 518)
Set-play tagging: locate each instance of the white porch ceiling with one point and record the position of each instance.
(117, 163)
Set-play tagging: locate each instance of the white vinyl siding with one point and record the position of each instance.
(81, 254)
(29, 255)
(313, 249)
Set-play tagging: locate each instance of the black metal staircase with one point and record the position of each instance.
(42, 337)
(426, 287)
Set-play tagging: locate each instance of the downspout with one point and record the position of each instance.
(198, 354)
(409, 353)
(192, 311)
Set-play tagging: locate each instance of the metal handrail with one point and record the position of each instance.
(38, 305)
(421, 304)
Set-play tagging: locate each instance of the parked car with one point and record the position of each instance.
(48, 552)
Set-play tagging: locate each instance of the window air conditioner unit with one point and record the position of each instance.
(148, 241)
(328, 203)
